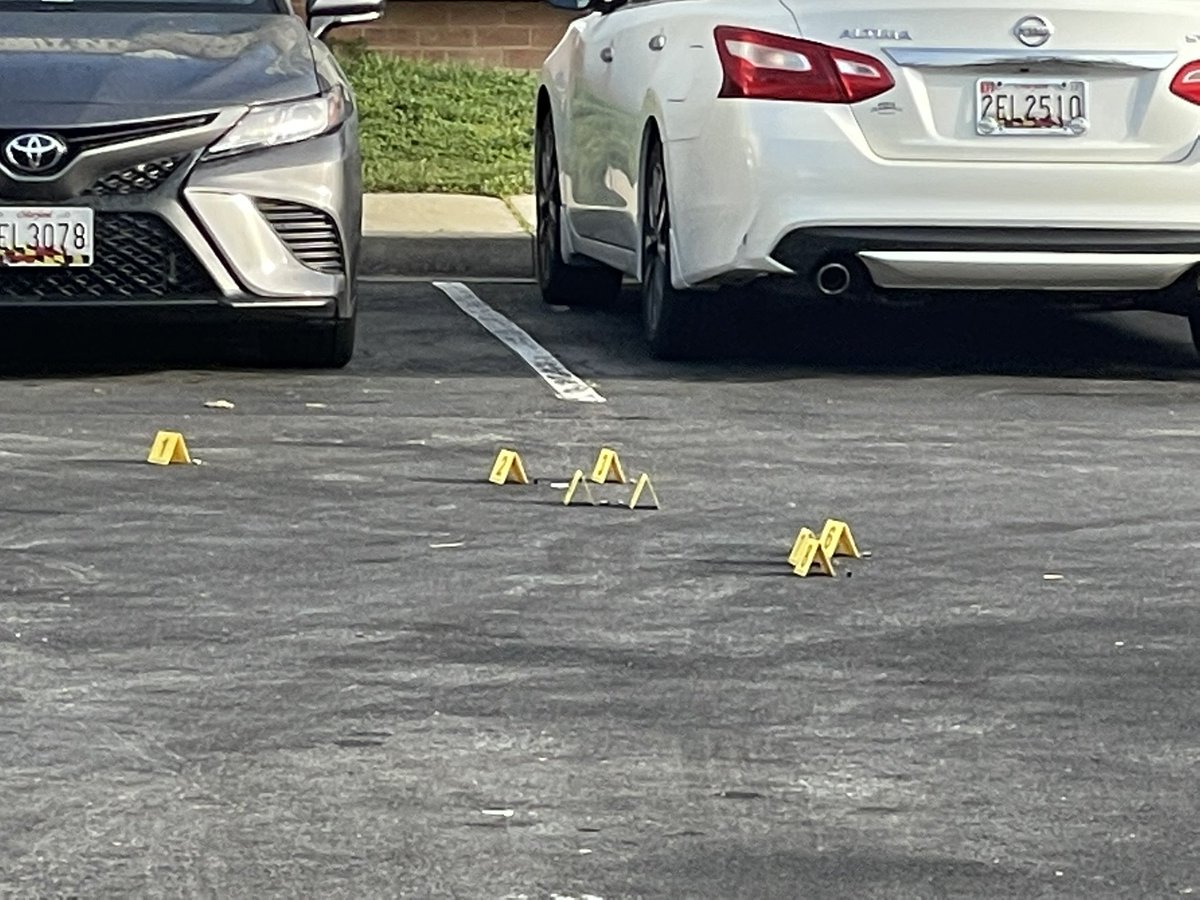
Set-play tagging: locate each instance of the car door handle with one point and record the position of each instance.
(606, 54)
(658, 42)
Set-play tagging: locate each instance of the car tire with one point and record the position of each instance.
(562, 284)
(673, 320)
(311, 345)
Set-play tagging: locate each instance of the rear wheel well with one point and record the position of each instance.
(561, 280)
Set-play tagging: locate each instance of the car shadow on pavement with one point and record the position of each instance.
(85, 345)
(753, 337)
(991, 341)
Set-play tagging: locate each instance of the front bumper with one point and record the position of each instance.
(270, 231)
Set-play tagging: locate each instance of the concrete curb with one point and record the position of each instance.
(456, 255)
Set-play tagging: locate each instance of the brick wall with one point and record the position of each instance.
(512, 33)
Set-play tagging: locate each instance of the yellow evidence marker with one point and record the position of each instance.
(643, 485)
(838, 540)
(808, 553)
(577, 482)
(508, 469)
(798, 545)
(168, 447)
(608, 468)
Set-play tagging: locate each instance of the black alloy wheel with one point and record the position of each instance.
(672, 319)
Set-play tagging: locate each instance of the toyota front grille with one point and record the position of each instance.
(137, 257)
(139, 179)
(79, 139)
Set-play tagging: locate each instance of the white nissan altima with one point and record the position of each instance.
(871, 150)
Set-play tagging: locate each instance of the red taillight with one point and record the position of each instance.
(765, 66)
(1187, 83)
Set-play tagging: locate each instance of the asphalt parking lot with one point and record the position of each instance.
(332, 661)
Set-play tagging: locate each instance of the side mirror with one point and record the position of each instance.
(325, 15)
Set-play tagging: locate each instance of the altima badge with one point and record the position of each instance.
(876, 34)
(34, 153)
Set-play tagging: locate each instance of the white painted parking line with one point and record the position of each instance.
(565, 383)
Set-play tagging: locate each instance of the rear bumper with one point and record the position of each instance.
(764, 178)
(1153, 269)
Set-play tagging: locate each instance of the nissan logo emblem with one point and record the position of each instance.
(1033, 31)
(34, 153)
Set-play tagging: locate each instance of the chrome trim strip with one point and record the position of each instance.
(280, 304)
(951, 58)
(1031, 270)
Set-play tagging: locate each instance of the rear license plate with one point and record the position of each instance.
(46, 236)
(1031, 106)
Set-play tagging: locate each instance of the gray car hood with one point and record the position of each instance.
(75, 68)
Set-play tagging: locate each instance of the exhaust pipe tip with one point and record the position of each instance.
(833, 279)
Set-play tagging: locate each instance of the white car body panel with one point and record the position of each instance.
(745, 174)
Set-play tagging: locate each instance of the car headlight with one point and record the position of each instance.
(283, 123)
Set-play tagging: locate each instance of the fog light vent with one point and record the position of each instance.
(310, 234)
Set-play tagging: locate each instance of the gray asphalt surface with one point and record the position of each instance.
(333, 662)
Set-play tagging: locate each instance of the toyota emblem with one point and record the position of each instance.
(1033, 31)
(34, 153)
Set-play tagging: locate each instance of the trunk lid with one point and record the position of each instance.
(1069, 81)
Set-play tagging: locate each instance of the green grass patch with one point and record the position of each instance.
(442, 127)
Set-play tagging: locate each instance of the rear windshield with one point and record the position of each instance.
(145, 6)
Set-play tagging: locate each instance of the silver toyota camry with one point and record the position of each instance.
(195, 156)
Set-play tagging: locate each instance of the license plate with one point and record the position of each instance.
(46, 236)
(1031, 106)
